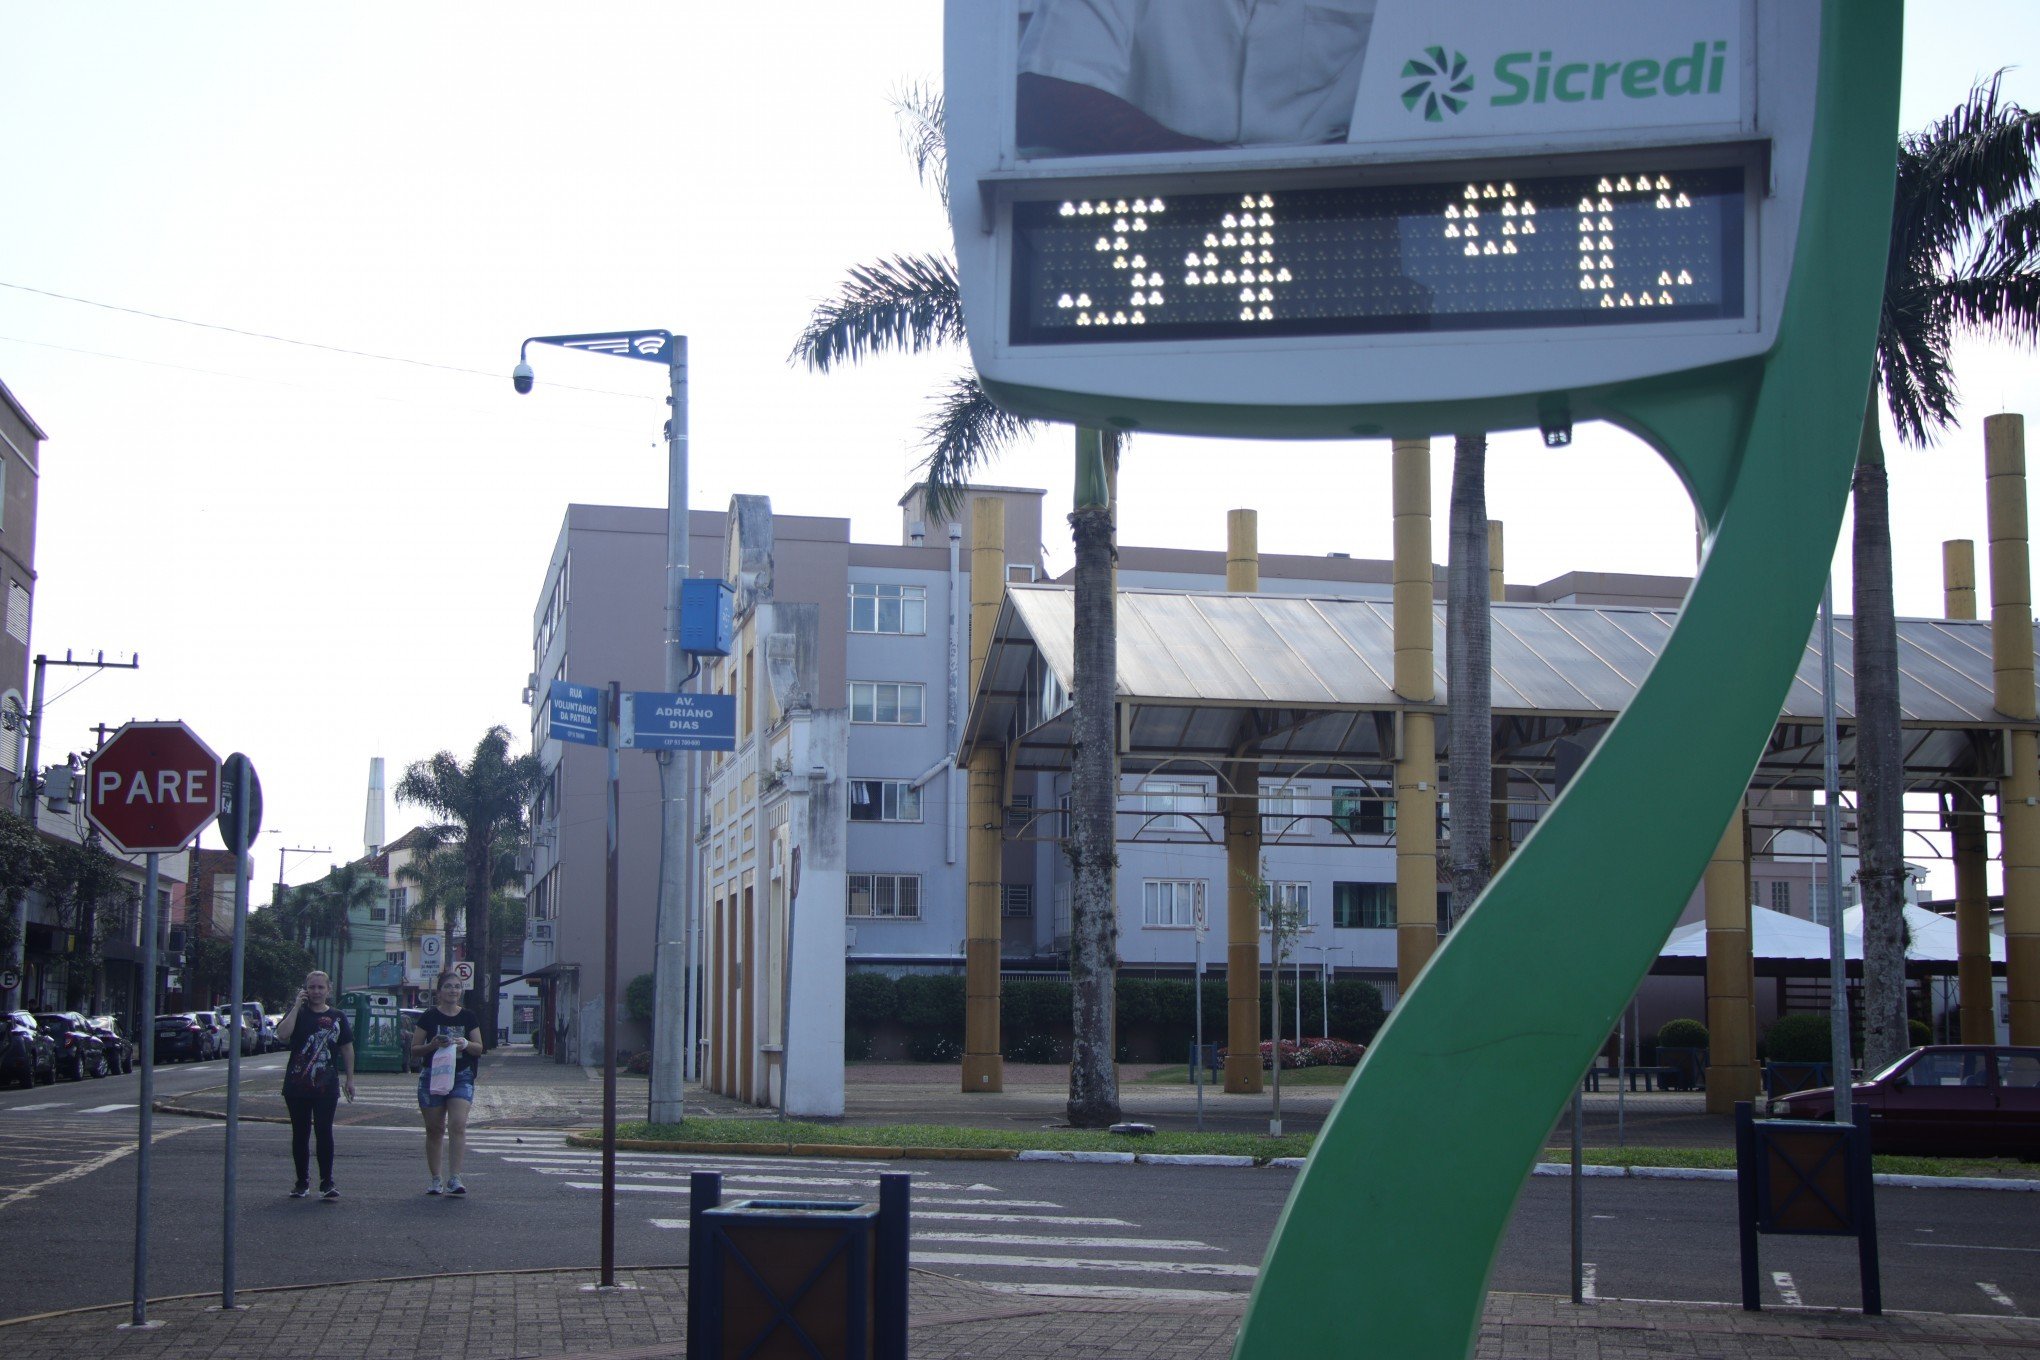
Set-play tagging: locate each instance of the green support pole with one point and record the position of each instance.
(1386, 1243)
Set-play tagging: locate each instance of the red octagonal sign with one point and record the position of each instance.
(153, 787)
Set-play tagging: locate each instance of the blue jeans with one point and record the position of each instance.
(463, 1089)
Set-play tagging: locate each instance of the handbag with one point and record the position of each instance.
(439, 1081)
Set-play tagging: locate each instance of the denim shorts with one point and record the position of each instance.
(463, 1089)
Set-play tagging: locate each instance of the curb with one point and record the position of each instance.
(193, 1112)
(868, 1151)
(1710, 1173)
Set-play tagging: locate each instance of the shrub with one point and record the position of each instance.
(640, 1064)
(639, 998)
(1682, 1034)
(932, 1046)
(867, 1000)
(1918, 1032)
(1799, 1038)
(930, 1002)
(1333, 1052)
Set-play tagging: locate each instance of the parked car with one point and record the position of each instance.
(120, 1054)
(79, 1053)
(181, 1038)
(251, 1027)
(1944, 1099)
(216, 1038)
(27, 1055)
(270, 1043)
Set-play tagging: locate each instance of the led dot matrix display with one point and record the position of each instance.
(1572, 250)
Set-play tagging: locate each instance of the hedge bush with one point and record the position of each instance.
(1682, 1034)
(640, 997)
(1799, 1038)
(1034, 1014)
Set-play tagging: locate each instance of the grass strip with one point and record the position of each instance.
(818, 1137)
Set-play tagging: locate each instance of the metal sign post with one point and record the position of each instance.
(609, 1006)
(241, 792)
(145, 1119)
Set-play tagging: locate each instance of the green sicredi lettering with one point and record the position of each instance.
(1531, 77)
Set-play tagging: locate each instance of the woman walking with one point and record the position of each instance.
(447, 1024)
(321, 1065)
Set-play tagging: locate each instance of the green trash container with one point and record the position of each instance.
(379, 1036)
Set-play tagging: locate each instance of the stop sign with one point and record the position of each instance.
(153, 787)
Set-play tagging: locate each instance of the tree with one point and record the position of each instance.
(1965, 254)
(24, 860)
(335, 899)
(912, 304)
(476, 802)
(79, 882)
(271, 966)
(1469, 677)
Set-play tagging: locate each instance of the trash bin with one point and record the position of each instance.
(785, 1279)
(379, 1036)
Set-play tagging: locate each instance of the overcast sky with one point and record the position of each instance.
(322, 557)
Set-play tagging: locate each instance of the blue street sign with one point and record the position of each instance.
(652, 346)
(574, 713)
(678, 722)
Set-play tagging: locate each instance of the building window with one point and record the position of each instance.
(1170, 903)
(1781, 896)
(879, 607)
(1016, 899)
(884, 800)
(1294, 899)
(17, 611)
(1059, 923)
(399, 904)
(1356, 812)
(880, 701)
(1019, 573)
(1363, 906)
(1019, 815)
(886, 896)
(1168, 804)
(1281, 805)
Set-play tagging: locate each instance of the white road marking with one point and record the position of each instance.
(960, 1258)
(740, 1180)
(1071, 1219)
(1588, 1270)
(108, 1109)
(1970, 1246)
(87, 1168)
(1787, 1290)
(1996, 1295)
(988, 1203)
(47, 1105)
(1034, 1240)
(1115, 1291)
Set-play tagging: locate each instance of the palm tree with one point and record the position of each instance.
(1469, 677)
(1965, 254)
(912, 304)
(348, 889)
(476, 802)
(441, 882)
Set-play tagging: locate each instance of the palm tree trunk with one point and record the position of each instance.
(478, 942)
(1094, 796)
(1469, 653)
(1879, 771)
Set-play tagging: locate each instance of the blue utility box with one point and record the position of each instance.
(707, 612)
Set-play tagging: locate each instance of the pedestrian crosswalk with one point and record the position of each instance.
(960, 1222)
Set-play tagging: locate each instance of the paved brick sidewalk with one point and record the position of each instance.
(559, 1314)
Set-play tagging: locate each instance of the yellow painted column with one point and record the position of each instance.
(983, 1068)
(1732, 1072)
(1416, 764)
(2011, 628)
(1963, 821)
(1241, 786)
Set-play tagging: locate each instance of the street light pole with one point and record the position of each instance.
(672, 1017)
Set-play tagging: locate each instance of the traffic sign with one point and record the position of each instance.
(9, 979)
(653, 721)
(431, 949)
(575, 713)
(464, 972)
(152, 788)
(237, 776)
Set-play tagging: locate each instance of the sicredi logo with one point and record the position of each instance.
(1442, 82)
(1534, 77)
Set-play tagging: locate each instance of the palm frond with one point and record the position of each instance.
(909, 302)
(966, 431)
(1967, 169)
(919, 110)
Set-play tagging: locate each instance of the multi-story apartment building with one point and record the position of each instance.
(20, 461)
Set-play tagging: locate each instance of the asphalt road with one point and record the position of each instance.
(66, 1159)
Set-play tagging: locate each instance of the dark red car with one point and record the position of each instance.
(1946, 1099)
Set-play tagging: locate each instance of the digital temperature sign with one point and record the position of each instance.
(1475, 253)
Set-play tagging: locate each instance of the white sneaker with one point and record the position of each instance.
(435, 1188)
(454, 1187)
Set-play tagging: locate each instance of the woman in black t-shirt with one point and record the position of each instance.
(321, 1065)
(446, 1023)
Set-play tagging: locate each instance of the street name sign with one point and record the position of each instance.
(575, 713)
(152, 787)
(653, 721)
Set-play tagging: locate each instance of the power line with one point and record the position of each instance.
(288, 340)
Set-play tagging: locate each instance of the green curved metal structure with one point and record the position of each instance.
(1385, 1246)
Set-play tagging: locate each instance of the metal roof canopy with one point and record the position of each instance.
(1302, 684)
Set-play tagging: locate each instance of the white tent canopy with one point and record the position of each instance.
(1775, 935)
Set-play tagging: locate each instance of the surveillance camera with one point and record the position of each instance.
(520, 377)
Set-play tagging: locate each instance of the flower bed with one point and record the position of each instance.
(1310, 1053)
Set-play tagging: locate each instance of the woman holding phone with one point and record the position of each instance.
(447, 1024)
(321, 1065)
